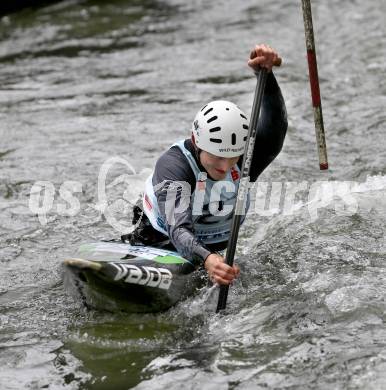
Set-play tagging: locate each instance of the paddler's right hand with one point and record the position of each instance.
(219, 272)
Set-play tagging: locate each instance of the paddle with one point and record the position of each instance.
(239, 209)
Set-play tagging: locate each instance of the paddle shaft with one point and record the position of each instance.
(314, 83)
(239, 210)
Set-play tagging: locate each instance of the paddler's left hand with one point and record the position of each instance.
(263, 56)
(219, 272)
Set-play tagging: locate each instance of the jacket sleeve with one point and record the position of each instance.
(271, 129)
(174, 182)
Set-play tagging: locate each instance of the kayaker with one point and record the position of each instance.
(180, 203)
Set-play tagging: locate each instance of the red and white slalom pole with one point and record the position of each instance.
(314, 82)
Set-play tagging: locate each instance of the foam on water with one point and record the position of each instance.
(85, 81)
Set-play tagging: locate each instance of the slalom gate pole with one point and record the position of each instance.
(314, 82)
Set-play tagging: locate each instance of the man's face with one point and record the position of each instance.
(217, 167)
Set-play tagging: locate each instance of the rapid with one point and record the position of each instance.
(82, 82)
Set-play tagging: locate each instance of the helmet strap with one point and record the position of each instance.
(197, 152)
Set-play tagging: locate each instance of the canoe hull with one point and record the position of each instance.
(114, 276)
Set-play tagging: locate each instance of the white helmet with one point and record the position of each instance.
(221, 128)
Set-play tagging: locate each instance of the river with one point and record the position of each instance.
(84, 81)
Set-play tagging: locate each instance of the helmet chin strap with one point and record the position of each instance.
(197, 152)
